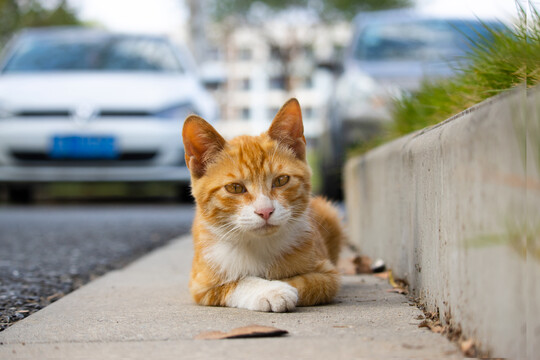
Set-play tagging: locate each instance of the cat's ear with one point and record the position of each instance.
(201, 143)
(287, 128)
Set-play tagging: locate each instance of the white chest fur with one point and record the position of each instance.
(242, 255)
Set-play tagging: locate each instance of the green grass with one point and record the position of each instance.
(313, 161)
(509, 59)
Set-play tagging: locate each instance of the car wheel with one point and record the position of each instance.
(183, 194)
(20, 194)
(331, 184)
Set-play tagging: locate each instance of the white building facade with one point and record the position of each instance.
(266, 65)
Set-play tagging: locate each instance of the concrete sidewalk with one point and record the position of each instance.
(145, 312)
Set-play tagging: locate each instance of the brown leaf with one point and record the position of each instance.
(210, 335)
(346, 266)
(352, 265)
(398, 290)
(437, 329)
(468, 348)
(424, 324)
(242, 332)
(363, 265)
(431, 315)
(383, 275)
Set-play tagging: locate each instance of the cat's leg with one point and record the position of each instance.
(318, 287)
(258, 294)
(250, 293)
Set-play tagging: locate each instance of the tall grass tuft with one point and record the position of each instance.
(509, 58)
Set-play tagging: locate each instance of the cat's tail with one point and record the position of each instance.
(327, 220)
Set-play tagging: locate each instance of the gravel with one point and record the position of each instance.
(48, 251)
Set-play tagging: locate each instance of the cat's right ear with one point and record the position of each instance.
(201, 142)
(287, 128)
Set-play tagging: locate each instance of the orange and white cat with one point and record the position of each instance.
(261, 241)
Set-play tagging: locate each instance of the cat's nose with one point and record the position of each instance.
(265, 213)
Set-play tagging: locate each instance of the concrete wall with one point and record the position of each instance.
(455, 210)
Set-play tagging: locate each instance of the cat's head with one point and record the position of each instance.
(256, 185)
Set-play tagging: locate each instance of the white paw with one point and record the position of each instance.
(277, 297)
(263, 295)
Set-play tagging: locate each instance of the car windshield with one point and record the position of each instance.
(92, 54)
(426, 40)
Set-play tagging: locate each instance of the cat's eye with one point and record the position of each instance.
(280, 181)
(235, 188)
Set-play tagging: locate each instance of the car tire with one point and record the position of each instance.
(20, 194)
(183, 193)
(331, 186)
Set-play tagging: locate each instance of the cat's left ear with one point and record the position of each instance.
(201, 143)
(288, 129)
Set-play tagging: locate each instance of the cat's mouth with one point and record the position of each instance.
(267, 228)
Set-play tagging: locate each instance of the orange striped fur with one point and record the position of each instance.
(272, 246)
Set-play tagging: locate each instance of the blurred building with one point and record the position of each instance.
(263, 66)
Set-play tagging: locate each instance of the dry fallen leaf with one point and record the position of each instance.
(346, 265)
(242, 332)
(399, 286)
(434, 326)
(437, 329)
(424, 324)
(352, 265)
(363, 265)
(468, 348)
(431, 315)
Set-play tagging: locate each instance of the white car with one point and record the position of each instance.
(87, 105)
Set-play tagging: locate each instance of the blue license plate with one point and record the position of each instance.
(83, 147)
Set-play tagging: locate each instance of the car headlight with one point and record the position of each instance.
(355, 87)
(178, 111)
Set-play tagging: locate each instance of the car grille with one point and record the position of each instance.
(43, 113)
(40, 158)
(69, 114)
(123, 113)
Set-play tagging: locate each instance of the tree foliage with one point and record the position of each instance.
(18, 14)
(325, 9)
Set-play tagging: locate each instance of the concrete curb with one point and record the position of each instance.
(144, 311)
(454, 210)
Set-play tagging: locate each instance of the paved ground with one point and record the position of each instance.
(144, 311)
(48, 251)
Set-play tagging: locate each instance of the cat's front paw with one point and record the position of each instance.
(278, 297)
(263, 295)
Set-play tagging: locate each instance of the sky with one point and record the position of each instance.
(505, 10)
(141, 16)
(170, 16)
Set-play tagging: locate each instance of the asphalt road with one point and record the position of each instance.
(49, 251)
